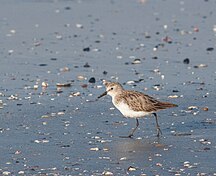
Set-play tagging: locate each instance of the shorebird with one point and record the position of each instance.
(133, 104)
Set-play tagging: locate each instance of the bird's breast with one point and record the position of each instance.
(127, 111)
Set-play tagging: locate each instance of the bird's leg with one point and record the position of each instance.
(132, 132)
(157, 125)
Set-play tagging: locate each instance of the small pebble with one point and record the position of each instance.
(45, 116)
(79, 26)
(17, 152)
(42, 65)
(175, 90)
(186, 61)
(180, 134)
(162, 77)
(35, 86)
(105, 149)
(41, 141)
(105, 72)
(13, 97)
(67, 8)
(86, 65)
(53, 59)
(59, 90)
(205, 141)
(10, 51)
(21, 172)
(165, 26)
(61, 113)
(147, 36)
(87, 49)
(167, 40)
(214, 28)
(92, 80)
(210, 49)
(205, 108)
(99, 86)
(84, 85)
(207, 148)
(202, 174)
(155, 57)
(123, 158)
(13, 31)
(196, 29)
(159, 164)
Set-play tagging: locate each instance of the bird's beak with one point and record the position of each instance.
(105, 93)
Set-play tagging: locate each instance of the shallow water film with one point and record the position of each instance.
(54, 55)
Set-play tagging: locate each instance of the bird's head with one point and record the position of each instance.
(112, 88)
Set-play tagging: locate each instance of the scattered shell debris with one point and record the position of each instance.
(41, 141)
(130, 82)
(13, 97)
(94, 149)
(205, 141)
(136, 61)
(107, 173)
(174, 96)
(132, 168)
(2, 104)
(63, 84)
(51, 75)
(64, 69)
(44, 84)
(78, 25)
(192, 107)
(75, 94)
(201, 66)
(53, 114)
(205, 108)
(81, 78)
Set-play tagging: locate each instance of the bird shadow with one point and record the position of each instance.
(137, 149)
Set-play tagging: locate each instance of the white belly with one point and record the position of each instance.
(127, 112)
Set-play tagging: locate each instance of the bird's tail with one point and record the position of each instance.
(165, 105)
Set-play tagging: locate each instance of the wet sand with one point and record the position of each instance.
(165, 49)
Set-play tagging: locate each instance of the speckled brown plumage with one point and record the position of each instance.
(141, 102)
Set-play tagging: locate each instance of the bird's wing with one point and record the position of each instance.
(138, 101)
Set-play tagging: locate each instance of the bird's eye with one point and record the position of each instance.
(111, 88)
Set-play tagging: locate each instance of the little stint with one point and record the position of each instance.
(133, 104)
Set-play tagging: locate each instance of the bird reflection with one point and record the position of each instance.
(136, 149)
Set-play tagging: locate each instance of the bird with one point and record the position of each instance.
(134, 104)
